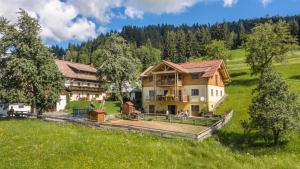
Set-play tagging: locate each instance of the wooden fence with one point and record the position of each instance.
(162, 133)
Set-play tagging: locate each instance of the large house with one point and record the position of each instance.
(80, 81)
(194, 87)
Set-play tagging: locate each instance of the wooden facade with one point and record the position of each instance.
(169, 86)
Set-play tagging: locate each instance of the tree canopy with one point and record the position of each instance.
(118, 70)
(217, 50)
(268, 42)
(274, 109)
(29, 74)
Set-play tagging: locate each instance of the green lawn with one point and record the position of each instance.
(110, 107)
(38, 144)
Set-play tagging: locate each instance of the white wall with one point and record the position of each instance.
(62, 103)
(213, 99)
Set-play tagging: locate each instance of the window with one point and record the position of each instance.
(217, 93)
(195, 92)
(195, 108)
(88, 84)
(195, 76)
(96, 85)
(21, 106)
(151, 93)
(71, 83)
(97, 95)
(71, 95)
(150, 78)
(78, 83)
(212, 92)
(221, 92)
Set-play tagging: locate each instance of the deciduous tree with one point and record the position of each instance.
(217, 50)
(267, 43)
(29, 74)
(119, 69)
(274, 109)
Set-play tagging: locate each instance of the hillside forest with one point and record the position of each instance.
(178, 44)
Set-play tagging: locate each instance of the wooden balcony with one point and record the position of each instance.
(84, 88)
(166, 98)
(169, 82)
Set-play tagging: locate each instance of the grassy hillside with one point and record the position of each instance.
(37, 144)
(238, 59)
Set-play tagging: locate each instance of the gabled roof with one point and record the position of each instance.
(207, 68)
(67, 69)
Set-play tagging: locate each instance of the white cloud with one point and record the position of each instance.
(83, 19)
(136, 8)
(229, 3)
(265, 2)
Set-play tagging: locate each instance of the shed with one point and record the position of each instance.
(97, 115)
(128, 107)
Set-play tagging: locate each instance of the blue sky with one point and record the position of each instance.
(211, 12)
(65, 21)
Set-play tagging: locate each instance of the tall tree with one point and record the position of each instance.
(71, 54)
(217, 50)
(191, 44)
(241, 34)
(118, 70)
(181, 47)
(170, 52)
(30, 74)
(294, 28)
(203, 37)
(268, 42)
(274, 109)
(148, 55)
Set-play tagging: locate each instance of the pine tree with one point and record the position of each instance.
(181, 47)
(294, 28)
(203, 37)
(191, 44)
(170, 52)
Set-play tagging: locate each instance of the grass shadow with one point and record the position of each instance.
(240, 142)
(238, 74)
(296, 77)
(246, 82)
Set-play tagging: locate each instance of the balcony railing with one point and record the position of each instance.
(169, 82)
(165, 98)
(84, 88)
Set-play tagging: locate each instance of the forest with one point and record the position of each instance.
(175, 43)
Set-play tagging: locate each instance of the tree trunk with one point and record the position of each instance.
(276, 137)
(33, 109)
(121, 95)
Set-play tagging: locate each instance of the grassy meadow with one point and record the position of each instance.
(38, 144)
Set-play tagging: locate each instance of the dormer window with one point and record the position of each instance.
(195, 76)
